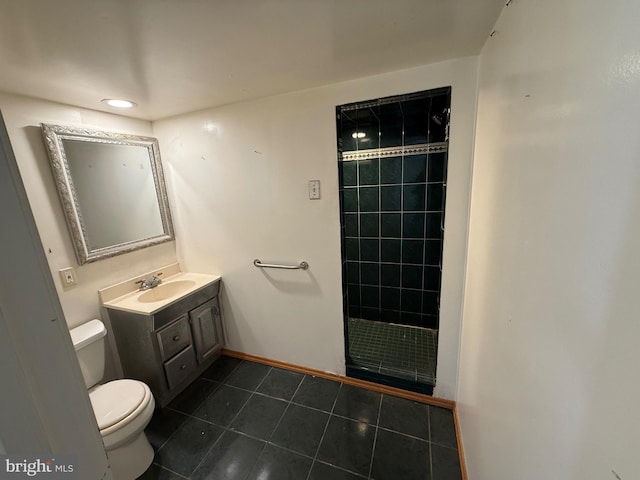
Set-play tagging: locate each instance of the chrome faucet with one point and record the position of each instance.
(151, 282)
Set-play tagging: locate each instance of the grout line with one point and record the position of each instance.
(291, 451)
(204, 457)
(358, 212)
(253, 393)
(259, 456)
(333, 407)
(367, 385)
(375, 436)
(187, 415)
(434, 182)
(430, 443)
(289, 403)
(448, 447)
(255, 390)
(169, 470)
(191, 415)
(219, 382)
(174, 432)
(391, 347)
(337, 467)
(406, 435)
(402, 212)
(379, 237)
(208, 380)
(268, 441)
(225, 429)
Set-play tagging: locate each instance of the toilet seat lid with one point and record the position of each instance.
(114, 401)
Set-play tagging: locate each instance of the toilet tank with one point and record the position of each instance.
(88, 340)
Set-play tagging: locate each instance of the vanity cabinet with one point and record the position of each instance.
(170, 348)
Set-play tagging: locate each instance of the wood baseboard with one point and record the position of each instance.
(463, 465)
(417, 397)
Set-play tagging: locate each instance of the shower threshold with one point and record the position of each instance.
(393, 350)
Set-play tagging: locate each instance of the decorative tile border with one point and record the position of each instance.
(395, 99)
(394, 151)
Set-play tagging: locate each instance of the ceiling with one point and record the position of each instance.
(177, 56)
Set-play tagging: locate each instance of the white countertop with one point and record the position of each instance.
(135, 301)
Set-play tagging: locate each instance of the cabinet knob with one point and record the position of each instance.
(176, 338)
(183, 366)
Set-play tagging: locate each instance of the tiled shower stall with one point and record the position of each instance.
(392, 155)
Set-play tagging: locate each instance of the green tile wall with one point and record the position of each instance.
(392, 209)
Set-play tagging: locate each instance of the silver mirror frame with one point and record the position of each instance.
(53, 136)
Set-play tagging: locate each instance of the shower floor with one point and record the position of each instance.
(396, 350)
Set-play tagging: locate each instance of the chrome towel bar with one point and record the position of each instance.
(300, 266)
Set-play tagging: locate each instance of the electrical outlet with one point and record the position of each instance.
(68, 277)
(314, 189)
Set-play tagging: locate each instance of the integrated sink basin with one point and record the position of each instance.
(176, 285)
(165, 291)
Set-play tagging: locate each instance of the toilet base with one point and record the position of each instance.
(132, 459)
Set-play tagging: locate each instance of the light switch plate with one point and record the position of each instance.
(68, 277)
(314, 189)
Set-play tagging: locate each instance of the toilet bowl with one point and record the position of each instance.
(123, 408)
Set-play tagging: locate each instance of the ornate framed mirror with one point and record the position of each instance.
(112, 190)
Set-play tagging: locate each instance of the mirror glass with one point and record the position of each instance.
(112, 190)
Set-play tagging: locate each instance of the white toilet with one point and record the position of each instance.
(123, 408)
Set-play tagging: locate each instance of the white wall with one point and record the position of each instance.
(238, 180)
(548, 378)
(23, 117)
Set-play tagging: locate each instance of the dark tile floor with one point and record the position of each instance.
(245, 420)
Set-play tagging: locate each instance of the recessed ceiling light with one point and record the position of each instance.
(358, 134)
(119, 103)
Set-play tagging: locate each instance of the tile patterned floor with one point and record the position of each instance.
(245, 420)
(396, 350)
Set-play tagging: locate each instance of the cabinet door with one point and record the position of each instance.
(206, 329)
